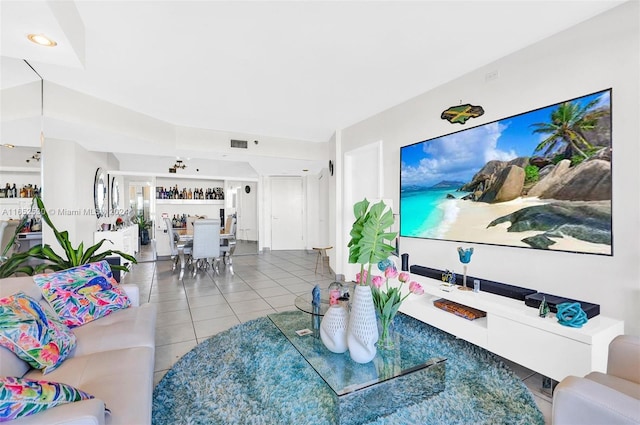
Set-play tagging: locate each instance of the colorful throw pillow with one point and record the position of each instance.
(32, 334)
(82, 294)
(23, 397)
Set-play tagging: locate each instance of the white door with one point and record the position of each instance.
(286, 213)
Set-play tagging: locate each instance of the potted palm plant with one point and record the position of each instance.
(143, 228)
(71, 257)
(368, 246)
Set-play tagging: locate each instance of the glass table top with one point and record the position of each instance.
(343, 375)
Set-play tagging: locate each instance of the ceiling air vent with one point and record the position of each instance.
(240, 144)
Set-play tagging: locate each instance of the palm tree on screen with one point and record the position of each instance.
(568, 125)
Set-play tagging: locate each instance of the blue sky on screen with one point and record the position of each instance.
(458, 156)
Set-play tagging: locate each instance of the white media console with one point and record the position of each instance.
(515, 331)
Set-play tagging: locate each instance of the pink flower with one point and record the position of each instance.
(404, 277)
(377, 281)
(361, 279)
(391, 273)
(416, 288)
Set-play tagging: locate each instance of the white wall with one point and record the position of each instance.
(69, 172)
(600, 53)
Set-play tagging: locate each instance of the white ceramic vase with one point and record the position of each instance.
(362, 333)
(333, 329)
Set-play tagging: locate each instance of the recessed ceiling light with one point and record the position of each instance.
(305, 170)
(42, 40)
(9, 145)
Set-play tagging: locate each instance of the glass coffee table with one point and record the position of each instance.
(363, 392)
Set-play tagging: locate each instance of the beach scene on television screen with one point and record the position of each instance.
(541, 180)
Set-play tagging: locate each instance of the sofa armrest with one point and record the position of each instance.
(133, 292)
(583, 401)
(624, 358)
(85, 412)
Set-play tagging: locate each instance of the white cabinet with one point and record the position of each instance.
(125, 240)
(516, 332)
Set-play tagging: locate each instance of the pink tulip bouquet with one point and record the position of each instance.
(387, 300)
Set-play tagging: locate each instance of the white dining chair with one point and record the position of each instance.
(180, 249)
(228, 242)
(206, 245)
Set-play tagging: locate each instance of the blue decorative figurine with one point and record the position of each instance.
(571, 314)
(465, 258)
(315, 317)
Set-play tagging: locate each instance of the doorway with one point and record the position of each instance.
(286, 213)
(242, 200)
(139, 202)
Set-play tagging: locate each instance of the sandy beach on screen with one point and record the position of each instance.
(470, 225)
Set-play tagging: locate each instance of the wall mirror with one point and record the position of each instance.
(100, 192)
(115, 195)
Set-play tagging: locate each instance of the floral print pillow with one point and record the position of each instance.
(23, 397)
(82, 294)
(33, 335)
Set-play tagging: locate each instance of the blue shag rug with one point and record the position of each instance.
(251, 374)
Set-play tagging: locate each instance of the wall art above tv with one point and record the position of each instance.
(540, 179)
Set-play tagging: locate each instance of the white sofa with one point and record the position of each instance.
(113, 361)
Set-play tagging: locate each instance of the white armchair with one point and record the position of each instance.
(599, 398)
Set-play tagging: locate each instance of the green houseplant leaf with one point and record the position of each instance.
(369, 237)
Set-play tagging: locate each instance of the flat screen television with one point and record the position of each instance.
(540, 180)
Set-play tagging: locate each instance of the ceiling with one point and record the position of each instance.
(295, 70)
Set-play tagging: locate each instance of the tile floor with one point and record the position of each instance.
(193, 309)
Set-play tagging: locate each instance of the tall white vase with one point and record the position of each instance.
(363, 328)
(333, 329)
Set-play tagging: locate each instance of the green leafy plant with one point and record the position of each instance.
(368, 237)
(15, 264)
(72, 257)
(531, 174)
(143, 223)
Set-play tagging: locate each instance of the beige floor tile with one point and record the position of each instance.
(170, 318)
(227, 288)
(241, 296)
(174, 305)
(281, 301)
(262, 284)
(157, 376)
(288, 281)
(303, 288)
(245, 317)
(155, 297)
(272, 292)
(197, 301)
(249, 306)
(207, 328)
(211, 312)
(202, 290)
(545, 407)
(167, 355)
(175, 333)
